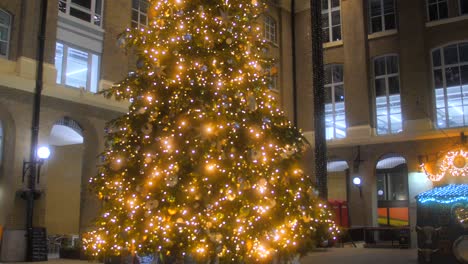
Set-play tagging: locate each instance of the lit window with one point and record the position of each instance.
(272, 78)
(269, 25)
(335, 120)
(77, 68)
(139, 13)
(381, 15)
(463, 7)
(86, 10)
(450, 78)
(387, 95)
(437, 9)
(331, 20)
(5, 25)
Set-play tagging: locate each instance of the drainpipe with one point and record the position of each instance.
(293, 43)
(32, 193)
(319, 98)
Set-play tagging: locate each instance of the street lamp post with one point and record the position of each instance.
(32, 167)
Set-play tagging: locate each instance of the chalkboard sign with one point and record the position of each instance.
(39, 244)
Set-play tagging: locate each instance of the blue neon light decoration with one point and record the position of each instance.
(447, 194)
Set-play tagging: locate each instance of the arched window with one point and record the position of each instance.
(387, 95)
(5, 28)
(450, 78)
(392, 191)
(335, 120)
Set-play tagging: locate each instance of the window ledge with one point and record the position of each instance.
(333, 44)
(382, 34)
(81, 22)
(446, 21)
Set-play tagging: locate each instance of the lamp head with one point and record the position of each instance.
(357, 181)
(43, 152)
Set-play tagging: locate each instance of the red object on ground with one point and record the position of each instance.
(340, 209)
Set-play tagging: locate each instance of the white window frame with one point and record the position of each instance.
(89, 67)
(329, 12)
(332, 86)
(438, 9)
(382, 17)
(92, 12)
(270, 29)
(386, 77)
(442, 67)
(8, 27)
(140, 13)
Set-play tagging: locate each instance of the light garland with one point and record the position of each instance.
(448, 194)
(454, 164)
(204, 163)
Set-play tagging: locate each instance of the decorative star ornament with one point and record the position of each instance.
(224, 17)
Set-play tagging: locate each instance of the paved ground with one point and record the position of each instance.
(332, 256)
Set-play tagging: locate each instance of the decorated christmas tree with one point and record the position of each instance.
(204, 164)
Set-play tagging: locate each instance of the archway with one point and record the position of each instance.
(338, 178)
(392, 191)
(64, 173)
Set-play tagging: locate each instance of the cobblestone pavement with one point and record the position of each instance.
(329, 256)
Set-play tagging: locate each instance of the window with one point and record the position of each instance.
(437, 9)
(5, 25)
(269, 25)
(463, 7)
(139, 13)
(86, 10)
(272, 78)
(450, 78)
(381, 15)
(387, 95)
(335, 121)
(76, 68)
(331, 20)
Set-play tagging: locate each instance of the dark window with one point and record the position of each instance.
(437, 9)
(381, 15)
(331, 20)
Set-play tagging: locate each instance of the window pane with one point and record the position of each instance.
(326, 35)
(324, 4)
(440, 98)
(396, 123)
(463, 48)
(4, 18)
(443, 10)
(379, 66)
(328, 95)
(80, 14)
(438, 81)
(339, 93)
(328, 74)
(464, 6)
(58, 61)
(452, 76)
(433, 13)
(83, 3)
(135, 15)
(380, 89)
(3, 48)
(390, 22)
(337, 73)
(325, 21)
(94, 73)
(335, 16)
(375, 8)
(392, 64)
(336, 31)
(393, 85)
(98, 7)
(389, 7)
(451, 54)
(464, 74)
(335, 3)
(77, 68)
(376, 24)
(436, 60)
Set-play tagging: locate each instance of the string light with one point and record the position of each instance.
(454, 164)
(204, 163)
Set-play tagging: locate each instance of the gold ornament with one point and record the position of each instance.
(459, 161)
